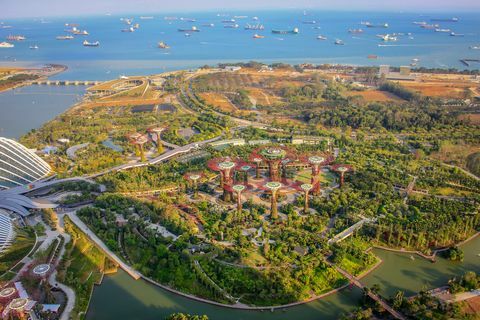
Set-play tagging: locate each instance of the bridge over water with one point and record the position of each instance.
(66, 82)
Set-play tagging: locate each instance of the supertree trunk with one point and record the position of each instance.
(159, 144)
(274, 209)
(342, 179)
(305, 206)
(142, 153)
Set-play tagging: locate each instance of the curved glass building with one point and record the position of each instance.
(7, 233)
(18, 165)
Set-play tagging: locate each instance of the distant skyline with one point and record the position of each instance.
(45, 8)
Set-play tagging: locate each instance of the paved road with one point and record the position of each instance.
(79, 223)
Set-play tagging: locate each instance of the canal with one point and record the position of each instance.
(121, 297)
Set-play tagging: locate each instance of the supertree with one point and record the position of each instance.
(193, 177)
(243, 167)
(316, 162)
(257, 161)
(273, 187)
(157, 131)
(273, 156)
(342, 169)
(138, 140)
(305, 188)
(225, 166)
(238, 189)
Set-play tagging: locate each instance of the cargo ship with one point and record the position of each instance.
(387, 37)
(371, 25)
(91, 44)
(15, 38)
(257, 36)
(188, 19)
(146, 18)
(339, 42)
(192, 29)
(6, 45)
(131, 29)
(320, 37)
(443, 30)
(294, 31)
(355, 31)
(257, 26)
(34, 47)
(454, 19)
(64, 38)
(429, 26)
(453, 34)
(231, 26)
(309, 22)
(211, 25)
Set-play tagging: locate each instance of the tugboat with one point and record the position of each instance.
(163, 45)
(91, 44)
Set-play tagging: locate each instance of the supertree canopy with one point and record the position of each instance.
(316, 162)
(342, 169)
(193, 177)
(273, 187)
(273, 156)
(226, 167)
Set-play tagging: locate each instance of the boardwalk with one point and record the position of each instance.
(79, 223)
(393, 312)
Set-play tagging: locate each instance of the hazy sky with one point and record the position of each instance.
(21, 8)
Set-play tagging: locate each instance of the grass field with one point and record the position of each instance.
(23, 243)
(218, 101)
(374, 95)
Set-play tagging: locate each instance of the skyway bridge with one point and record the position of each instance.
(66, 82)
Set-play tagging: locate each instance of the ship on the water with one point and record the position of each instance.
(34, 47)
(355, 31)
(188, 19)
(211, 25)
(309, 22)
(6, 45)
(15, 38)
(192, 29)
(454, 19)
(320, 37)
(231, 26)
(420, 23)
(257, 26)
(131, 29)
(64, 37)
(146, 17)
(475, 47)
(163, 45)
(257, 36)
(372, 25)
(430, 26)
(443, 30)
(293, 31)
(91, 44)
(339, 42)
(387, 37)
(454, 34)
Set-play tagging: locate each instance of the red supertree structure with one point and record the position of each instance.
(243, 167)
(273, 187)
(157, 131)
(305, 188)
(7, 294)
(238, 189)
(193, 178)
(342, 169)
(273, 156)
(225, 166)
(316, 162)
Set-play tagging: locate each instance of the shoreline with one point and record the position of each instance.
(293, 304)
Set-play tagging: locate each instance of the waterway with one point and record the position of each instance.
(27, 108)
(121, 297)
